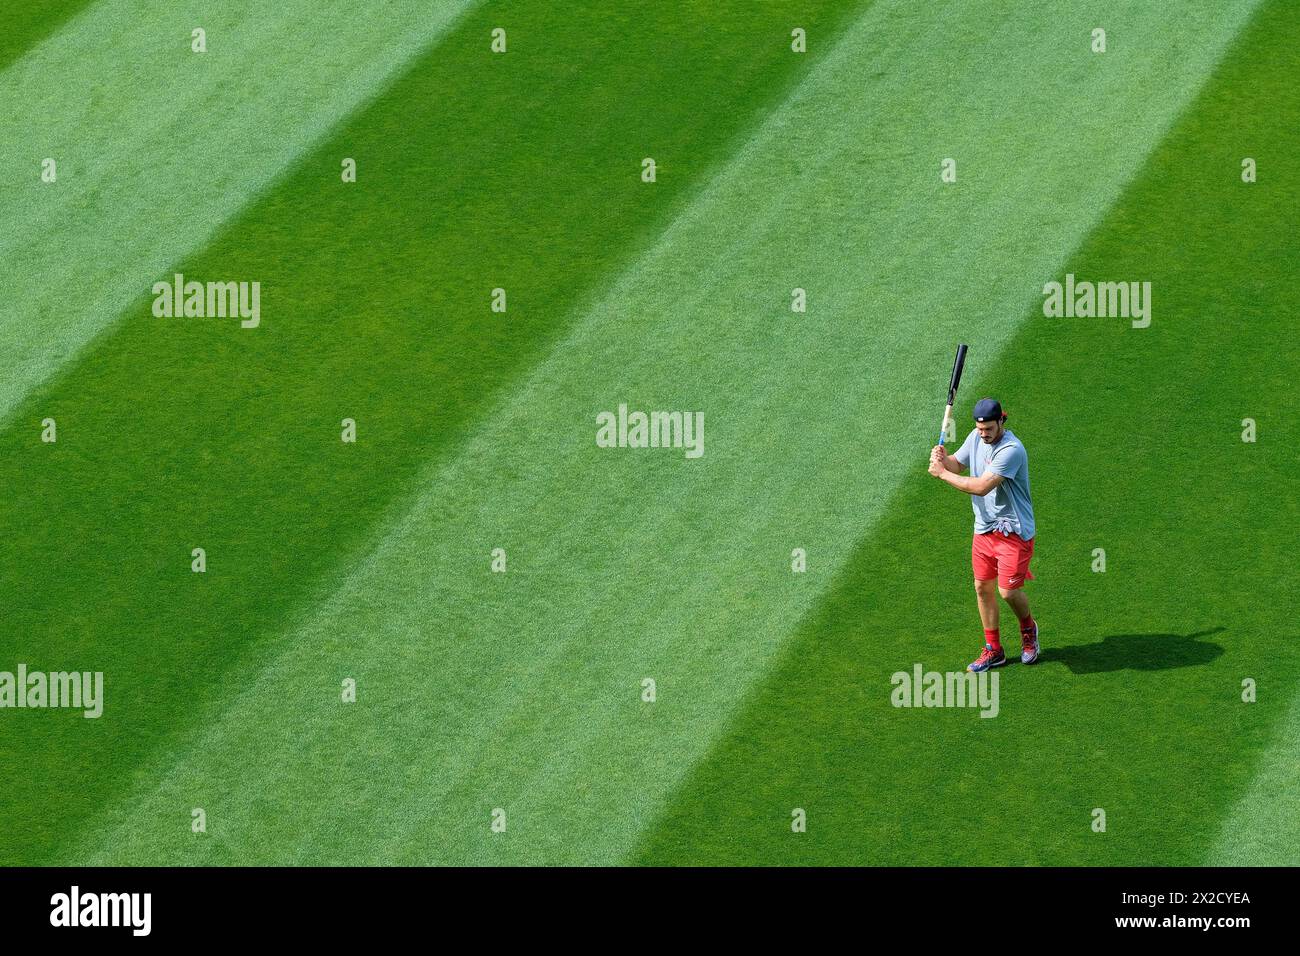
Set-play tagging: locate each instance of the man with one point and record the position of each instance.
(1004, 525)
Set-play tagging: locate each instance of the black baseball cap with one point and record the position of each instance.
(989, 410)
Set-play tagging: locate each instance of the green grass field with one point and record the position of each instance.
(522, 691)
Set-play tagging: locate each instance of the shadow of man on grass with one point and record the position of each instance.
(1139, 652)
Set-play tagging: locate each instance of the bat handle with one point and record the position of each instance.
(943, 429)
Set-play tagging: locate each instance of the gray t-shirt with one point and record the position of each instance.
(1007, 507)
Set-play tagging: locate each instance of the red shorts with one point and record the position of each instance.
(1002, 556)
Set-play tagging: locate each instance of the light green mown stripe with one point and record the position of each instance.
(521, 690)
(1264, 828)
(157, 146)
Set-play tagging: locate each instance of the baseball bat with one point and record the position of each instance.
(957, 364)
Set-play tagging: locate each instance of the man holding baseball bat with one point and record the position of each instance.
(1004, 521)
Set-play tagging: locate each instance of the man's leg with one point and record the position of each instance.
(1028, 628)
(1014, 555)
(986, 594)
(1019, 603)
(985, 565)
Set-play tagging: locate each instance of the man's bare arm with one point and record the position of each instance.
(971, 485)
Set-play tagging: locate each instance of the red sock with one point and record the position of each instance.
(993, 639)
(1027, 623)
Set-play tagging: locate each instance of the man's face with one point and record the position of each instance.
(990, 432)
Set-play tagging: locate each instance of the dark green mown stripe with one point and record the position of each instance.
(1135, 445)
(475, 171)
(25, 24)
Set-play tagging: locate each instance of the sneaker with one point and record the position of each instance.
(1029, 644)
(990, 658)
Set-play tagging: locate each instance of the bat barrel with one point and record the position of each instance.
(957, 365)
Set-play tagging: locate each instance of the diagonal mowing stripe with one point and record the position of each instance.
(1136, 706)
(156, 146)
(521, 690)
(176, 433)
(1262, 830)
